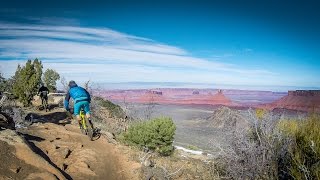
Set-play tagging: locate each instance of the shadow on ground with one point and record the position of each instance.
(30, 142)
(60, 118)
(50, 107)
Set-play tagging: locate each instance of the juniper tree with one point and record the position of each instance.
(156, 134)
(50, 78)
(3, 83)
(27, 80)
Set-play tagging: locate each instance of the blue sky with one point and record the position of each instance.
(265, 45)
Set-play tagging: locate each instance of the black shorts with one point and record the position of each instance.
(44, 95)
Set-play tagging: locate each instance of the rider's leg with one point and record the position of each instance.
(89, 119)
(41, 97)
(76, 112)
(46, 101)
(87, 110)
(79, 120)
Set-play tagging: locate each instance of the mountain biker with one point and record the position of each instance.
(43, 92)
(81, 99)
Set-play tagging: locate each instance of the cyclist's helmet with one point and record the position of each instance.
(72, 83)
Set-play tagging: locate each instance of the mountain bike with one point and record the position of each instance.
(86, 128)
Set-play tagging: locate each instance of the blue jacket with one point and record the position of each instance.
(77, 94)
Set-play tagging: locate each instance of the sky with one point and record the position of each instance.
(269, 45)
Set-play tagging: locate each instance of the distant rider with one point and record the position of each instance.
(43, 92)
(81, 99)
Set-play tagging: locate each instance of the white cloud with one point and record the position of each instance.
(132, 73)
(110, 56)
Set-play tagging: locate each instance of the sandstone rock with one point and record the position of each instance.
(15, 169)
(110, 137)
(220, 99)
(301, 100)
(147, 163)
(45, 175)
(152, 96)
(66, 153)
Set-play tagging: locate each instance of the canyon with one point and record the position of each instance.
(300, 100)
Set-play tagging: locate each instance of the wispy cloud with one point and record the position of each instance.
(107, 55)
(52, 20)
(248, 50)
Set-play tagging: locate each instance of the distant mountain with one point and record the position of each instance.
(301, 100)
(181, 85)
(191, 96)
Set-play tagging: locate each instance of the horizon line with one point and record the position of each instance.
(134, 85)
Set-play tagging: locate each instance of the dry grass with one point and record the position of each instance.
(305, 149)
(273, 149)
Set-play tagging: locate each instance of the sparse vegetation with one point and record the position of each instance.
(108, 116)
(304, 151)
(260, 113)
(156, 135)
(115, 110)
(191, 147)
(252, 153)
(273, 149)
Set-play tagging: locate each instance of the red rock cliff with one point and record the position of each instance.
(302, 100)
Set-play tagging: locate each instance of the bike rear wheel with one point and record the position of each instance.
(87, 128)
(46, 105)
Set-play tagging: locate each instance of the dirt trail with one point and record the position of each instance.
(72, 155)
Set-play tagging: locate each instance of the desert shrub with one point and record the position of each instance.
(288, 126)
(156, 135)
(261, 113)
(273, 149)
(305, 150)
(253, 152)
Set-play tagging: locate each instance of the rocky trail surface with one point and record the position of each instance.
(56, 149)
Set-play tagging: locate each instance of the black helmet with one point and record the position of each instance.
(72, 84)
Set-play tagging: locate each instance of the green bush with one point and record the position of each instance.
(156, 134)
(194, 148)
